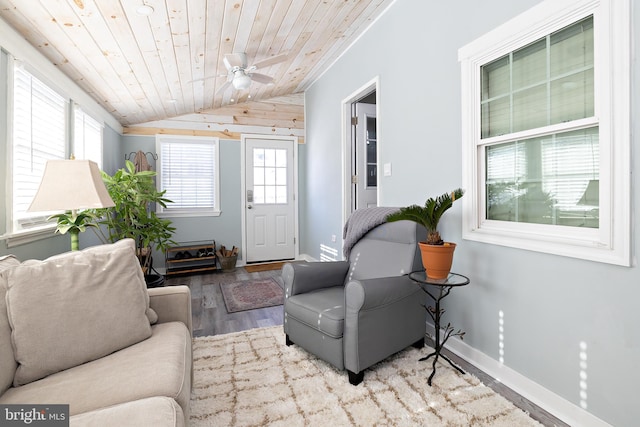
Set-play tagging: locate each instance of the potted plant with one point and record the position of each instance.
(437, 255)
(133, 192)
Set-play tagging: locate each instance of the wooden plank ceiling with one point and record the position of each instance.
(169, 64)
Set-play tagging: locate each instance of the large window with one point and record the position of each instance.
(43, 127)
(188, 169)
(39, 134)
(546, 132)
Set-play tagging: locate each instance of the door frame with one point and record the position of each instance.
(243, 190)
(367, 88)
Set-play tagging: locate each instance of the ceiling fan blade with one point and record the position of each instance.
(270, 61)
(223, 87)
(232, 60)
(261, 78)
(202, 79)
(210, 77)
(227, 64)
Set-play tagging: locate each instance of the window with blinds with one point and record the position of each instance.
(188, 170)
(87, 136)
(546, 131)
(541, 179)
(39, 134)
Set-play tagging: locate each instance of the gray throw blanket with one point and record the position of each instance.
(360, 223)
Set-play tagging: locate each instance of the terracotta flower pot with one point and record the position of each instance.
(437, 259)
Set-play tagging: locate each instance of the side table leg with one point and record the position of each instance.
(426, 357)
(453, 365)
(437, 312)
(433, 370)
(436, 320)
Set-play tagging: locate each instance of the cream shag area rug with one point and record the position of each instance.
(252, 378)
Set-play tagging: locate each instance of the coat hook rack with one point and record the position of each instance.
(132, 155)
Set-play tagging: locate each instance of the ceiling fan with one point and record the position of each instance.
(240, 75)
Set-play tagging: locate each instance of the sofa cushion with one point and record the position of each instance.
(8, 363)
(322, 310)
(158, 366)
(8, 261)
(74, 308)
(152, 412)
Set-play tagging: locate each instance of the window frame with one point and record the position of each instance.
(611, 242)
(202, 212)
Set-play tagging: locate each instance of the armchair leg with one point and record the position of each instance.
(287, 340)
(355, 379)
(419, 343)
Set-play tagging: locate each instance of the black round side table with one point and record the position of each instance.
(444, 287)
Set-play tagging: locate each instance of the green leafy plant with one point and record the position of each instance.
(133, 192)
(74, 223)
(428, 215)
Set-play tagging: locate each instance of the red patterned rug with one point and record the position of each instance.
(251, 294)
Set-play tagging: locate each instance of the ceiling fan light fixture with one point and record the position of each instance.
(241, 81)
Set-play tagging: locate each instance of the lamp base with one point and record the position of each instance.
(75, 241)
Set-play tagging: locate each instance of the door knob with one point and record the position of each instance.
(249, 207)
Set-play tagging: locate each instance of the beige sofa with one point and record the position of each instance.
(82, 329)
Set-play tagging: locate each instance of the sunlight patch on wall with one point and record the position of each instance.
(501, 336)
(327, 253)
(583, 375)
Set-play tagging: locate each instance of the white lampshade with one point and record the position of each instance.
(69, 185)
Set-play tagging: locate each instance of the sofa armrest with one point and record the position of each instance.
(301, 278)
(172, 303)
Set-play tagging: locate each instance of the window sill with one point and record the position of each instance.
(185, 214)
(30, 236)
(590, 250)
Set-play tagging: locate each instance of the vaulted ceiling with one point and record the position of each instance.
(170, 63)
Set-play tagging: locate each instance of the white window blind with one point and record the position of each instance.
(39, 134)
(548, 82)
(188, 171)
(87, 136)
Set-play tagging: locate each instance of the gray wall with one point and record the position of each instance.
(225, 229)
(550, 304)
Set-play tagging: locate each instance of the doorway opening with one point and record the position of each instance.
(361, 144)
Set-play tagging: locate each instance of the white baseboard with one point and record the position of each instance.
(306, 257)
(534, 392)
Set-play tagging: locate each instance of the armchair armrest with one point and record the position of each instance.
(172, 303)
(371, 293)
(382, 316)
(305, 277)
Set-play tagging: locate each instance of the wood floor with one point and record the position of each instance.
(210, 317)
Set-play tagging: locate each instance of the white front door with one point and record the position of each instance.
(269, 205)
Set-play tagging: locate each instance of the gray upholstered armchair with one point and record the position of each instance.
(356, 313)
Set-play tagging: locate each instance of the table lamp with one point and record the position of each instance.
(71, 185)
